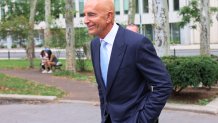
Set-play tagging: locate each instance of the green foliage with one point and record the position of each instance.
(57, 7)
(18, 8)
(58, 38)
(203, 101)
(17, 27)
(190, 13)
(208, 71)
(15, 22)
(213, 9)
(191, 71)
(83, 65)
(81, 37)
(22, 7)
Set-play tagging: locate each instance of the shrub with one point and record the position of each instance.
(191, 71)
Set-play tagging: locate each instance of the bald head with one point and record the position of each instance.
(103, 5)
(132, 27)
(99, 16)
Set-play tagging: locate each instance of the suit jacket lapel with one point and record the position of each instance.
(117, 54)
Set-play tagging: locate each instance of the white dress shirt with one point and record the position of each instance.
(109, 38)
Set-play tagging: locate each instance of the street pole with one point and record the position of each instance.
(9, 55)
(140, 4)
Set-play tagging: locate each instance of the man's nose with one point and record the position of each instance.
(86, 20)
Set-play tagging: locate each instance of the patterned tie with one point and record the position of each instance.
(104, 61)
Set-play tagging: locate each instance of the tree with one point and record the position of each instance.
(47, 33)
(205, 28)
(161, 27)
(194, 13)
(30, 47)
(131, 12)
(70, 39)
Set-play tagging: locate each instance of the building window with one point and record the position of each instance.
(174, 33)
(117, 7)
(176, 5)
(81, 8)
(137, 6)
(148, 31)
(145, 6)
(126, 6)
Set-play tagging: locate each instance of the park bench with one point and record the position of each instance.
(57, 66)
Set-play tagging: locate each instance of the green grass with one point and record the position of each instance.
(78, 76)
(85, 65)
(17, 64)
(82, 65)
(12, 85)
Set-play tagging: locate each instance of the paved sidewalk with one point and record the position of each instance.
(75, 90)
(85, 92)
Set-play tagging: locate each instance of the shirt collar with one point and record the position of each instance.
(110, 37)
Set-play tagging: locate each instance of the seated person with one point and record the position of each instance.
(44, 58)
(52, 61)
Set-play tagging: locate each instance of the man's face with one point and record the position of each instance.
(95, 19)
(132, 28)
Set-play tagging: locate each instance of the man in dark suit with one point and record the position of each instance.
(126, 66)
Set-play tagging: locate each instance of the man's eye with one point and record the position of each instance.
(91, 14)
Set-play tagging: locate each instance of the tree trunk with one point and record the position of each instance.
(47, 33)
(131, 12)
(30, 46)
(161, 27)
(70, 38)
(205, 28)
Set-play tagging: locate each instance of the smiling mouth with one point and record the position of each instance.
(90, 27)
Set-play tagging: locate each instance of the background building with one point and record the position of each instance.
(183, 36)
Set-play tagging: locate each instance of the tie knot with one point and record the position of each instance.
(103, 43)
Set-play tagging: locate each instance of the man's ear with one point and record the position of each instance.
(109, 17)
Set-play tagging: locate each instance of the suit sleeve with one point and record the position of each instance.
(155, 73)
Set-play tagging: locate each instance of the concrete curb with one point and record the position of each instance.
(211, 108)
(95, 103)
(191, 108)
(27, 97)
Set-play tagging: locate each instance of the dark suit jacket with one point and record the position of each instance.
(134, 66)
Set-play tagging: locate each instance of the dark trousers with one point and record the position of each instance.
(108, 120)
(157, 121)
